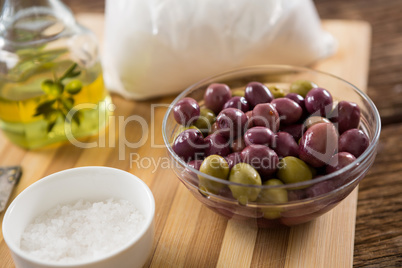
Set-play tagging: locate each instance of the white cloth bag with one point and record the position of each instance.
(159, 47)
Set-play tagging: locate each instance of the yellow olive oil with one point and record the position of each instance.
(21, 98)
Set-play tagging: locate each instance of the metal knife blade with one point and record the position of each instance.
(9, 177)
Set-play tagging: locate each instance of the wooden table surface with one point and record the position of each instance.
(378, 237)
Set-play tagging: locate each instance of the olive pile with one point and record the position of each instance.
(263, 136)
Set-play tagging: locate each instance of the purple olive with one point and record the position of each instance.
(285, 145)
(231, 122)
(238, 144)
(216, 96)
(217, 144)
(296, 130)
(186, 111)
(353, 141)
(320, 188)
(257, 93)
(339, 161)
(262, 158)
(347, 115)
(250, 123)
(259, 135)
(318, 144)
(266, 115)
(315, 119)
(294, 195)
(195, 164)
(297, 98)
(289, 111)
(214, 128)
(318, 100)
(233, 159)
(238, 103)
(189, 145)
(189, 174)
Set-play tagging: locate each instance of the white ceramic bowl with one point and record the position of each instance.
(88, 183)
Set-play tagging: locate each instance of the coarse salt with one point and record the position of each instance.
(81, 231)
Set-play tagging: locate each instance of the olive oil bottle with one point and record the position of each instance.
(51, 83)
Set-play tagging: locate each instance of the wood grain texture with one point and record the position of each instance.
(379, 217)
(188, 234)
(378, 239)
(385, 79)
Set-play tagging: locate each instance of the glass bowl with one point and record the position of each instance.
(308, 199)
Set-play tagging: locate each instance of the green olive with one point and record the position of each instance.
(273, 195)
(245, 174)
(238, 92)
(215, 166)
(51, 88)
(292, 170)
(302, 87)
(73, 87)
(277, 92)
(205, 120)
(312, 120)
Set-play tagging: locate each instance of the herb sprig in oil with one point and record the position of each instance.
(61, 100)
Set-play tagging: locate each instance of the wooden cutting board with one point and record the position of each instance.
(187, 233)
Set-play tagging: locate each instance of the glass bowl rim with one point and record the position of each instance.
(350, 167)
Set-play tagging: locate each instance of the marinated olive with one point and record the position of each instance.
(245, 174)
(296, 194)
(339, 161)
(289, 111)
(238, 92)
(249, 115)
(205, 120)
(302, 87)
(285, 145)
(195, 164)
(275, 196)
(292, 170)
(262, 158)
(320, 188)
(238, 144)
(354, 141)
(238, 103)
(347, 115)
(297, 98)
(259, 135)
(189, 145)
(217, 144)
(214, 128)
(216, 96)
(318, 100)
(180, 129)
(257, 93)
(186, 111)
(215, 166)
(233, 159)
(277, 92)
(318, 144)
(266, 115)
(231, 122)
(312, 120)
(296, 130)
